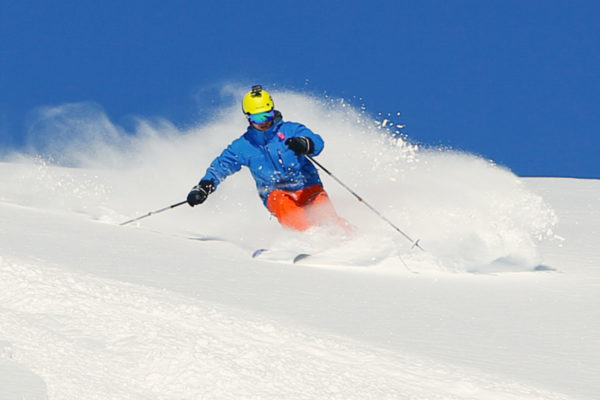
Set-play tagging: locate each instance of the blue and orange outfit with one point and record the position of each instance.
(287, 182)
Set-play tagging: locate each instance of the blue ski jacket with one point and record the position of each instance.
(272, 164)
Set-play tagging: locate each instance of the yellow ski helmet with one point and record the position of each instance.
(257, 101)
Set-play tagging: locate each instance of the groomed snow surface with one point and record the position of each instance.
(503, 304)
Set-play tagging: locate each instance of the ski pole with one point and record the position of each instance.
(154, 212)
(415, 243)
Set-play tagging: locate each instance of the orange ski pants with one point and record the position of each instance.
(303, 208)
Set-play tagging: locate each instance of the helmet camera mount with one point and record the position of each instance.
(256, 90)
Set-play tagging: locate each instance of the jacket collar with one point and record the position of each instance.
(262, 137)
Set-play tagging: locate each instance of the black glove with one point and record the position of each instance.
(200, 192)
(300, 145)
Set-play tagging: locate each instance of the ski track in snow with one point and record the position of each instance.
(92, 338)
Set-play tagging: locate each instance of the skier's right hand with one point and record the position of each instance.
(200, 192)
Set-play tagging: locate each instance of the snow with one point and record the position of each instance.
(502, 305)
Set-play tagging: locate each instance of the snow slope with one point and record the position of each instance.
(503, 305)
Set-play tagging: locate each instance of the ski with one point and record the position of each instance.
(258, 252)
(279, 255)
(300, 257)
(320, 259)
(291, 257)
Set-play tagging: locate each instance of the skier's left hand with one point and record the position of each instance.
(300, 145)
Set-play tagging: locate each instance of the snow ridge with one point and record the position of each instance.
(90, 309)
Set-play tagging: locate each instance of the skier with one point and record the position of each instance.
(273, 149)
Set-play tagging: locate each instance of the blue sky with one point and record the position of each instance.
(517, 82)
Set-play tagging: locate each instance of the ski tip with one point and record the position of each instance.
(300, 257)
(258, 252)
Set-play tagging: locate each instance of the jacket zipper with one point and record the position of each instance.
(275, 168)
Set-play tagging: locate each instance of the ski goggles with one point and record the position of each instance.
(261, 118)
